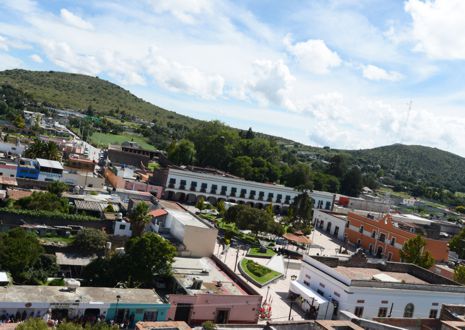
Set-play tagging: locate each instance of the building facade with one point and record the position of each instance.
(330, 222)
(371, 290)
(382, 237)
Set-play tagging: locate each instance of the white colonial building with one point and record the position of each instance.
(331, 222)
(371, 290)
(189, 185)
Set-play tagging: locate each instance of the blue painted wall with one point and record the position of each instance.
(138, 310)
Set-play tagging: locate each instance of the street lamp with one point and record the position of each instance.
(118, 297)
(293, 277)
(292, 299)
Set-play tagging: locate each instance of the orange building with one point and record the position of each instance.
(384, 237)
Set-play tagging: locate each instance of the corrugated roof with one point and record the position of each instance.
(157, 213)
(88, 205)
(49, 163)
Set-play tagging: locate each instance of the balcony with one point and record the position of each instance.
(193, 189)
(233, 194)
(204, 190)
(183, 187)
(242, 196)
(223, 193)
(171, 185)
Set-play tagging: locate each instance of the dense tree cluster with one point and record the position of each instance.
(24, 258)
(248, 218)
(90, 241)
(45, 201)
(145, 258)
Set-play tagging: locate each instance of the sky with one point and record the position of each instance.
(347, 74)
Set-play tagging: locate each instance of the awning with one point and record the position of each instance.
(307, 293)
(297, 238)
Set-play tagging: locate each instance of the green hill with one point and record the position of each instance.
(416, 164)
(78, 92)
(410, 164)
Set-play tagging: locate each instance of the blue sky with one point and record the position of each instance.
(337, 73)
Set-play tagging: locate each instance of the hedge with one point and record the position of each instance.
(49, 214)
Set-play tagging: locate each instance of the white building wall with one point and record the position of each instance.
(338, 225)
(122, 228)
(8, 170)
(13, 148)
(45, 176)
(229, 183)
(333, 285)
(177, 229)
(322, 200)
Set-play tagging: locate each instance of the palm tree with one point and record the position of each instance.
(139, 218)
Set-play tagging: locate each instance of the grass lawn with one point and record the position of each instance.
(58, 239)
(255, 252)
(251, 268)
(104, 139)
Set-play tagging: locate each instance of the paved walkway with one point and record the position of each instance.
(277, 292)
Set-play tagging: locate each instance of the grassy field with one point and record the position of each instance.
(104, 139)
(268, 274)
(57, 239)
(255, 252)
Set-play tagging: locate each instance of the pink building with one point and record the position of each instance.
(206, 290)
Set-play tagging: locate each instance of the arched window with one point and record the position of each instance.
(408, 311)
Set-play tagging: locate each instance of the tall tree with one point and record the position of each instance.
(299, 177)
(139, 218)
(300, 215)
(414, 252)
(352, 182)
(182, 153)
(338, 165)
(57, 188)
(90, 240)
(45, 201)
(19, 252)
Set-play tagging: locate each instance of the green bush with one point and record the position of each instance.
(49, 214)
(57, 282)
(256, 269)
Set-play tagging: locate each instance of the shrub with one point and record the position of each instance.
(257, 269)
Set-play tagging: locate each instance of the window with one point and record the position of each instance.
(322, 285)
(150, 316)
(409, 309)
(182, 185)
(360, 230)
(243, 192)
(278, 198)
(358, 311)
(373, 234)
(193, 186)
(382, 238)
(1, 173)
(328, 205)
(306, 283)
(320, 292)
(172, 183)
(308, 276)
(223, 190)
(203, 187)
(233, 191)
(393, 241)
(433, 313)
(213, 189)
(347, 224)
(389, 256)
(382, 312)
(122, 227)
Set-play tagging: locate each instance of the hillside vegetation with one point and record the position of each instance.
(416, 164)
(78, 92)
(420, 170)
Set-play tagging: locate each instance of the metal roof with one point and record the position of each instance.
(49, 163)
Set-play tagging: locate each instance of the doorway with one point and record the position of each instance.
(336, 231)
(379, 252)
(222, 316)
(59, 314)
(183, 312)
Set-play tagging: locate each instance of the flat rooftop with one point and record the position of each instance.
(369, 274)
(182, 215)
(49, 163)
(57, 294)
(205, 269)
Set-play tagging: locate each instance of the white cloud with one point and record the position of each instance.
(185, 11)
(181, 78)
(3, 43)
(270, 84)
(9, 62)
(36, 58)
(74, 20)
(372, 72)
(313, 55)
(437, 27)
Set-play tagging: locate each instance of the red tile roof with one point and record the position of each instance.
(157, 213)
(297, 238)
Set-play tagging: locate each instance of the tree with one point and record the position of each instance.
(247, 217)
(220, 207)
(352, 182)
(200, 203)
(457, 243)
(42, 149)
(145, 257)
(460, 209)
(139, 218)
(33, 324)
(414, 252)
(299, 177)
(338, 165)
(57, 188)
(300, 215)
(182, 153)
(90, 240)
(19, 121)
(45, 201)
(19, 252)
(149, 255)
(209, 325)
(459, 274)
